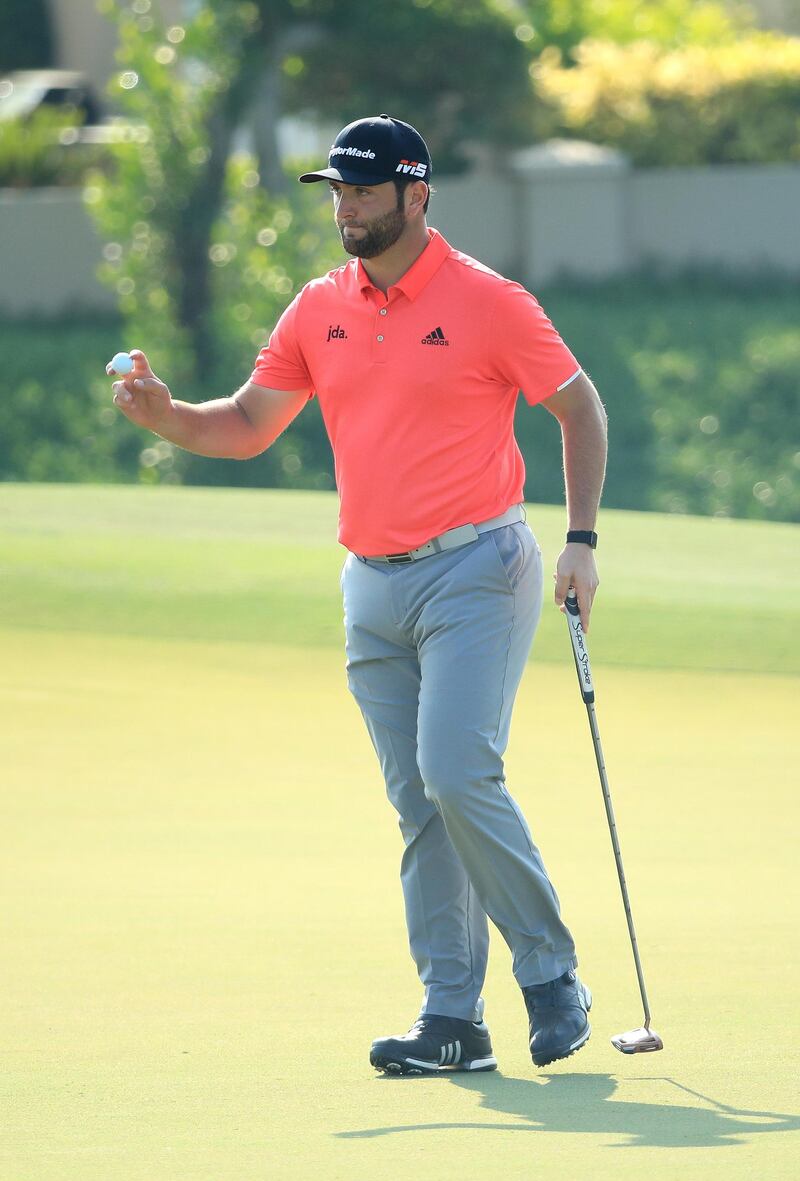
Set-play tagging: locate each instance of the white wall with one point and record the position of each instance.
(548, 212)
(475, 213)
(581, 211)
(50, 251)
(737, 217)
(778, 14)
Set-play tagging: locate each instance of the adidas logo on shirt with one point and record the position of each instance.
(435, 337)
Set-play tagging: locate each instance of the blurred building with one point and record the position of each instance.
(562, 208)
(779, 14)
(86, 40)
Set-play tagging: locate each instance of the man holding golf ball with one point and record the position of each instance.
(417, 354)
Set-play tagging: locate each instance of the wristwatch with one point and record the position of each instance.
(584, 536)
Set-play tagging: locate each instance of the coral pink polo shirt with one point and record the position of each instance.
(418, 389)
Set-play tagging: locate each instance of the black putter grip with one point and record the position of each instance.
(579, 649)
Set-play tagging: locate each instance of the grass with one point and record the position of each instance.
(238, 566)
(202, 921)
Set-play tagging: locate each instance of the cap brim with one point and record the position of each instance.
(345, 176)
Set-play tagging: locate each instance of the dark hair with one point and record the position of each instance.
(401, 183)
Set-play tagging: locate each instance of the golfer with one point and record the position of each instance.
(417, 354)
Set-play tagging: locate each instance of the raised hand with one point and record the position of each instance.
(142, 397)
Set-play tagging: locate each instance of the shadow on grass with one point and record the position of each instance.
(589, 1103)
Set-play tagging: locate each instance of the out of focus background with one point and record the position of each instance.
(202, 926)
(636, 164)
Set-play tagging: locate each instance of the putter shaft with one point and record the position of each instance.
(583, 669)
(612, 827)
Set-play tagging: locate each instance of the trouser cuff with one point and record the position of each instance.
(552, 973)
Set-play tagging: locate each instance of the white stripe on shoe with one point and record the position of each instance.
(450, 1054)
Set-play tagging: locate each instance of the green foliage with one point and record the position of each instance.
(265, 248)
(700, 380)
(698, 105)
(202, 257)
(185, 218)
(430, 62)
(41, 150)
(158, 207)
(564, 24)
(262, 248)
(57, 422)
(26, 35)
(702, 387)
(179, 211)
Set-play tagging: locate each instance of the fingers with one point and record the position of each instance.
(563, 583)
(576, 568)
(144, 399)
(584, 594)
(123, 397)
(140, 379)
(141, 366)
(143, 385)
(585, 600)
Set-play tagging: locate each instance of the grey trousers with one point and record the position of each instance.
(435, 653)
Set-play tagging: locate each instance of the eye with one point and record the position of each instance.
(363, 192)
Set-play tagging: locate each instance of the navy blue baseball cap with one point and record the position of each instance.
(374, 150)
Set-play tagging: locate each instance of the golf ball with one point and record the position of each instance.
(120, 363)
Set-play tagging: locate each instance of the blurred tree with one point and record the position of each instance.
(564, 24)
(26, 35)
(454, 68)
(192, 87)
(693, 106)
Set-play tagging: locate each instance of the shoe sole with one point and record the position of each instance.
(416, 1066)
(567, 1052)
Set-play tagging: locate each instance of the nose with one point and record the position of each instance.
(345, 206)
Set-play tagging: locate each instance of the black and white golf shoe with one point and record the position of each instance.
(558, 1013)
(435, 1044)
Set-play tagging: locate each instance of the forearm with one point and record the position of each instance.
(219, 429)
(238, 427)
(585, 442)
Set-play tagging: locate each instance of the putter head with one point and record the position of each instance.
(637, 1041)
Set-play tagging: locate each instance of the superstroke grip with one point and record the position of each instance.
(579, 649)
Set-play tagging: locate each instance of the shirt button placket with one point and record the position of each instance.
(379, 347)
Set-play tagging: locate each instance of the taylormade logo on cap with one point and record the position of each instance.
(373, 151)
(367, 155)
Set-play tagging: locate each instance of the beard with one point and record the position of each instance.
(381, 233)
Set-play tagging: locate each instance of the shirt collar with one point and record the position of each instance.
(421, 271)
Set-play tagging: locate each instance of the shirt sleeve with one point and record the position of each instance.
(280, 365)
(528, 352)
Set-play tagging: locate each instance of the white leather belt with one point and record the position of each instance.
(461, 535)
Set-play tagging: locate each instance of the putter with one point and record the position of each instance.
(643, 1040)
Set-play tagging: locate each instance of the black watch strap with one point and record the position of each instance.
(584, 536)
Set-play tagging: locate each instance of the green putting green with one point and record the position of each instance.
(202, 923)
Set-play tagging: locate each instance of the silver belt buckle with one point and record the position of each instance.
(461, 535)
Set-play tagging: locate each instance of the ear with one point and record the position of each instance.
(416, 196)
